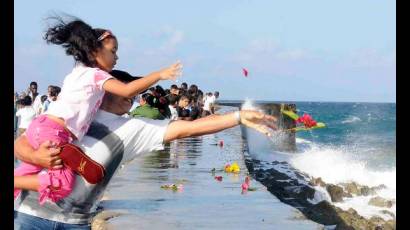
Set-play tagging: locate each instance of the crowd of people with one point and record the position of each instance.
(29, 104)
(175, 103)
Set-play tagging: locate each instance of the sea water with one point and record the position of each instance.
(358, 145)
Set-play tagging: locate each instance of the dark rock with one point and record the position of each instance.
(335, 192)
(346, 194)
(352, 211)
(380, 202)
(324, 213)
(317, 181)
(379, 187)
(290, 191)
(366, 191)
(388, 213)
(380, 223)
(352, 188)
(351, 220)
(391, 224)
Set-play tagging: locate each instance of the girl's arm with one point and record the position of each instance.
(215, 123)
(135, 87)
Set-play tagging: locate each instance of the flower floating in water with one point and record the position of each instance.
(245, 185)
(218, 178)
(234, 167)
(307, 121)
(173, 187)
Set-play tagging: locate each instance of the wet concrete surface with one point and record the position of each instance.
(138, 201)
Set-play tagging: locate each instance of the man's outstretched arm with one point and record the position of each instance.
(215, 123)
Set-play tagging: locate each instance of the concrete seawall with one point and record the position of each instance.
(134, 200)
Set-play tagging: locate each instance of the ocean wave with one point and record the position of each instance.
(335, 166)
(351, 119)
(302, 141)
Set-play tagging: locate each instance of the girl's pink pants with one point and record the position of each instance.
(55, 184)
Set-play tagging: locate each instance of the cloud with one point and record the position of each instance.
(269, 57)
(170, 37)
(369, 58)
(37, 61)
(292, 55)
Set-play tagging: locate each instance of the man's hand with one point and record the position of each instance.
(47, 156)
(258, 121)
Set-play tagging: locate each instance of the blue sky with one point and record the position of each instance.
(293, 50)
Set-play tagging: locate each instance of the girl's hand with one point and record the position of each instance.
(171, 72)
(259, 121)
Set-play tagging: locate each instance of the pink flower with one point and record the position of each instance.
(218, 178)
(245, 72)
(244, 186)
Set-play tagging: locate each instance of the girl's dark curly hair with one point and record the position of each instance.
(77, 37)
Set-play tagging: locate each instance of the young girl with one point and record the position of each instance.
(69, 118)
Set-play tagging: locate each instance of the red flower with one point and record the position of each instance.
(307, 120)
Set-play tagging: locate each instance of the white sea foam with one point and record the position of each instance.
(335, 165)
(248, 104)
(351, 119)
(320, 194)
(360, 204)
(302, 141)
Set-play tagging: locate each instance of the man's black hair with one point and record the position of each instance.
(125, 77)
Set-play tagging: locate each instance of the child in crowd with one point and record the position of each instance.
(68, 118)
(173, 99)
(182, 108)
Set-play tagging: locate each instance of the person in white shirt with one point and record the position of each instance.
(173, 102)
(213, 99)
(25, 114)
(32, 90)
(53, 92)
(208, 103)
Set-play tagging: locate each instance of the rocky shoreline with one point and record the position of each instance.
(299, 192)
